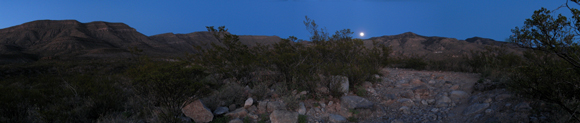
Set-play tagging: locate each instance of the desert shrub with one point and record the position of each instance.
(552, 68)
(229, 57)
(168, 85)
(62, 96)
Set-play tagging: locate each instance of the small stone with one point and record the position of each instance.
(415, 82)
(232, 107)
(367, 84)
(334, 118)
(488, 111)
(434, 110)
(424, 102)
(330, 103)
(274, 105)
(508, 104)
(405, 110)
(283, 116)
(220, 110)
(238, 113)
(249, 102)
(422, 90)
(405, 102)
(237, 120)
(488, 100)
(354, 102)
(252, 109)
(502, 97)
(456, 95)
(431, 82)
(443, 102)
(262, 106)
(475, 108)
(407, 94)
(454, 87)
(523, 107)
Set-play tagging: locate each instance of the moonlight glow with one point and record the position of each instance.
(362, 34)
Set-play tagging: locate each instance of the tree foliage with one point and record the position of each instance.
(552, 73)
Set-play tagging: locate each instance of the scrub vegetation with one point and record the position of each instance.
(153, 90)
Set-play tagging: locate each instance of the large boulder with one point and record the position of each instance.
(354, 102)
(283, 116)
(340, 83)
(198, 112)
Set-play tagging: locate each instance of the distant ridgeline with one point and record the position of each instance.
(60, 39)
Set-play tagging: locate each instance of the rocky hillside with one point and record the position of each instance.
(48, 39)
(435, 47)
(403, 96)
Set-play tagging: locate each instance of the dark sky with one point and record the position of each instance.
(459, 19)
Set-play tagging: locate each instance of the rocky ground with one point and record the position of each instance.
(402, 96)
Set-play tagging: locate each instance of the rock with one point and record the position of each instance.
(198, 112)
(252, 109)
(322, 91)
(302, 93)
(283, 116)
(434, 110)
(377, 76)
(406, 94)
(488, 100)
(237, 120)
(334, 118)
(238, 113)
(232, 107)
(502, 97)
(220, 110)
(397, 121)
(415, 82)
(275, 105)
(262, 106)
(339, 82)
(522, 107)
(431, 82)
(301, 108)
(443, 102)
(422, 90)
(354, 102)
(424, 102)
(405, 110)
(406, 102)
(367, 84)
(475, 108)
(457, 95)
(488, 111)
(454, 87)
(249, 102)
(253, 116)
(390, 97)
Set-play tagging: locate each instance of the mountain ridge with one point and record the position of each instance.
(45, 39)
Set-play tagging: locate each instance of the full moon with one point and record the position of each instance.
(362, 34)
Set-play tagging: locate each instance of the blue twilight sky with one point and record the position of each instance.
(459, 19)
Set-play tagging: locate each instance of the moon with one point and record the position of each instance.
(362, 34)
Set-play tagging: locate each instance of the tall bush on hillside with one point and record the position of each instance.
(553, 71)
(340, 54)
(229, 57)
